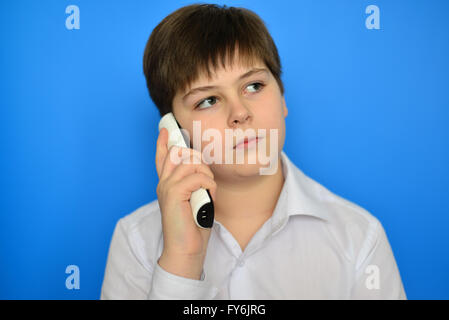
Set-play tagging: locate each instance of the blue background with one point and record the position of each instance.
(368, 119)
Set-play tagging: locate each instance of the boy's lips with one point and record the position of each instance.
(247, 140)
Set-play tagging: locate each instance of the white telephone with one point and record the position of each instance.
(200, 200)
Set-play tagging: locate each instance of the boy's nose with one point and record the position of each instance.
(239, 115)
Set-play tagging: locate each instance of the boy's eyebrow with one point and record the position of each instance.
(243, 76)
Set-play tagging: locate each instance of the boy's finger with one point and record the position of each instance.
(161, 150)
(175, 153)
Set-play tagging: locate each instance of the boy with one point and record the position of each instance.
(275, 236)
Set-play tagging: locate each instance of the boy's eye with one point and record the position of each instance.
(256, 84)
(201, 104)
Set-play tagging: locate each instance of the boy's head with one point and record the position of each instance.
(194, 38)
(206, 45)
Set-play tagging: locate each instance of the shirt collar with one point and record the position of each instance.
(300, 195)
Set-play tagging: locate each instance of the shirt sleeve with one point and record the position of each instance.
(128, 277)
(170, 286)
(376, 273)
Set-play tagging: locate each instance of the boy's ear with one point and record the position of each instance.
(284, 107)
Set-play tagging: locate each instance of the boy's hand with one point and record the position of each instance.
(185, 244)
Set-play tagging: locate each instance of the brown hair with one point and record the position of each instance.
(182, 46)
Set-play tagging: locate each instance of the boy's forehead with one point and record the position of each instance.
(230, 70)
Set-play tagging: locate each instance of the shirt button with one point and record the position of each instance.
(241, 263)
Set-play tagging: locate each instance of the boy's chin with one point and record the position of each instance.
(241, 169)
(234, 171)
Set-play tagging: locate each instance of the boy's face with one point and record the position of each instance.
(253, 102)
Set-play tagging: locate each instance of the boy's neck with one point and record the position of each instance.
(251, 199)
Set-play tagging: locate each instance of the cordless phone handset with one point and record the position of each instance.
(200, 200)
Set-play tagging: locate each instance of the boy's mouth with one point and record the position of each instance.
(247, 141)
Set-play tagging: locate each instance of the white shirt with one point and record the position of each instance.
(316, 245)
